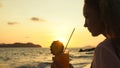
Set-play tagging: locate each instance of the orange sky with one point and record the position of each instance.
(44, 21)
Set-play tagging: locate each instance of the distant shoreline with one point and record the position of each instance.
(19, 45)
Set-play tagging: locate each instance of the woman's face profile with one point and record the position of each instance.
(92, 21)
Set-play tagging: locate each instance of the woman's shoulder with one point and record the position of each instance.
(108, 43)
(106, 47)
(104, 44)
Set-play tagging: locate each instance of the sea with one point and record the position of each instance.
(29, 57)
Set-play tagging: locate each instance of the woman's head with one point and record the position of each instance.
(92, 17)
(56, 47)
(102, 17)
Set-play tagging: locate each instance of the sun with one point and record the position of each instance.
(62, 40)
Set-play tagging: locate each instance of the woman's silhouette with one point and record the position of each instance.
(103, 17)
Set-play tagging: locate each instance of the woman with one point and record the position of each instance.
(103, 17)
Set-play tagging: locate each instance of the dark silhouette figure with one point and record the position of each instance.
(103, 17)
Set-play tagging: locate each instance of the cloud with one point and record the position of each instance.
(37, 19)
(12, 23)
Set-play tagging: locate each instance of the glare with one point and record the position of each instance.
(61, 40)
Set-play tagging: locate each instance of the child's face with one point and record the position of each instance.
(52, 50)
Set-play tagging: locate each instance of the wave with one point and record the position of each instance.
(4, 58)
(39, 58)
(35, 65)
(81, 65)
(76, 57)
(47, 65)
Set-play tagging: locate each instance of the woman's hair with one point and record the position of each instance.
(109, 11)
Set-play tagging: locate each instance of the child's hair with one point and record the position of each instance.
(57, 47)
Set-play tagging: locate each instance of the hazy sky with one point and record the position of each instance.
(44, 21)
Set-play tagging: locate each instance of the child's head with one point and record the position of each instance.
(56, 47)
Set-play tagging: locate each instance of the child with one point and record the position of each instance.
(61, 57)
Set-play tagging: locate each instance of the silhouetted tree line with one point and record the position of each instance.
(20, 45)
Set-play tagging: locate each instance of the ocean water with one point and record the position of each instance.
(40, 58)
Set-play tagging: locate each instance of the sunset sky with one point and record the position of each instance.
(44, 21)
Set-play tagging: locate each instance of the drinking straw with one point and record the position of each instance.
(69, 38)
